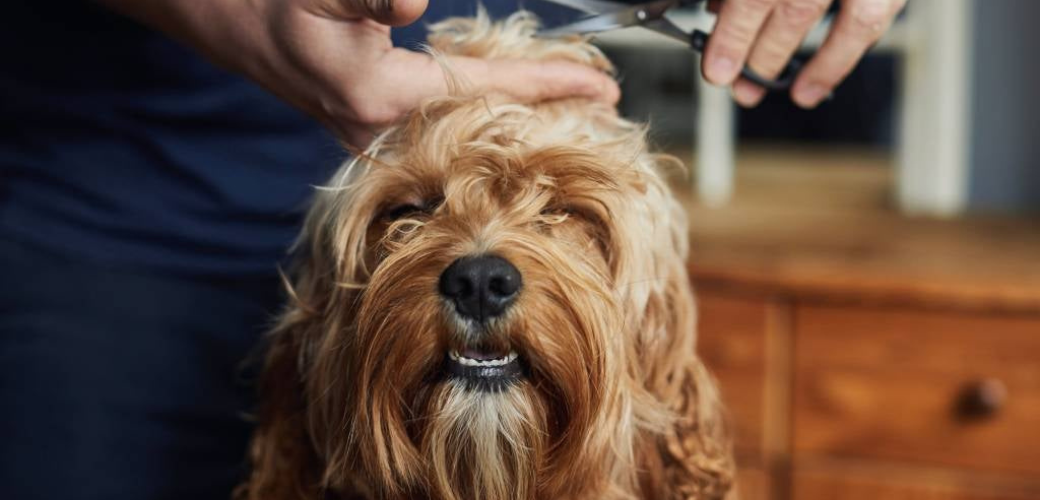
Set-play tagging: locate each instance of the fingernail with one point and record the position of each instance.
(809, 96)
(748, 94)
(722, 70)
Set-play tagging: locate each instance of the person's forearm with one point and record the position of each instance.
(233, 34)
(225, 31)
(334, 58)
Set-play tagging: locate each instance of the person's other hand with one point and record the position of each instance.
(765, 34)
(334, 58)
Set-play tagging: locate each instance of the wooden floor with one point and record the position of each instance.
(821, 223)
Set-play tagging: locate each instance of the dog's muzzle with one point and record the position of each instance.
(484, 370)
(482, 288)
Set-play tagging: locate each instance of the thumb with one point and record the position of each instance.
(392, 12)
(402, 79)
(388, 12)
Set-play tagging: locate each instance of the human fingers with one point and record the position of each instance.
(536, 81)
(388, 12)
(419, 76)
(402, 79)
(784, 31)
(738, 24)
(859, 25)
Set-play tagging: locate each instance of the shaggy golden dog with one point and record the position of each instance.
(492, 303)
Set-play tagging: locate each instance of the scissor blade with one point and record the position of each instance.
(669, 29)
(594, 24)
(631, 16)
(591, 6)
(644, 13)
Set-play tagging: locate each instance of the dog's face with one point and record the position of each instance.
(489, 282)
(492, 303)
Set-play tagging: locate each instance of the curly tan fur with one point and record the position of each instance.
(615, 404)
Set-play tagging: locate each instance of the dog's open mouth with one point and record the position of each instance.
(484, 368)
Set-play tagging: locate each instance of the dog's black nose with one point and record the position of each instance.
(480, 287)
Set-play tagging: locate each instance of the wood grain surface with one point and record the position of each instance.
(807, 224)
(892, 383)
(865, 354)
(732, 344)
(850, 480)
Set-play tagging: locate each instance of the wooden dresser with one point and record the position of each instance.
(865, 355)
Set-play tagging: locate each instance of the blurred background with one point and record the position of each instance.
(869, 271)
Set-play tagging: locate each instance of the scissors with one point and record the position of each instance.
(607, 15)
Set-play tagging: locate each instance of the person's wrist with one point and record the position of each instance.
(234, 34)
(248, 38)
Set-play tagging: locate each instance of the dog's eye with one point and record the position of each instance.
(411, 208)
(397, 212)
(557, 211)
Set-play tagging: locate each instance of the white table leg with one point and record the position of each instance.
(935, 128)
(715, 144)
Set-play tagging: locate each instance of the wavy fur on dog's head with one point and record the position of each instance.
(613, 403)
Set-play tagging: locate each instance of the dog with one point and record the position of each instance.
(491, 302)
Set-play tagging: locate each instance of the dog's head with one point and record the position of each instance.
(488, 305)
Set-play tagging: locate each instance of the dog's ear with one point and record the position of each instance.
(284, 463)
(284, 466)
(694, 455)
(696, 450)
(698, 454)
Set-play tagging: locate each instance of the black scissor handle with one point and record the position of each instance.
(699, 41)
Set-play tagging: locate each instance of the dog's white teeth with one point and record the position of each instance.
(463, 360)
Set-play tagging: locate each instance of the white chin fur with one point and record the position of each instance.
(462, 360)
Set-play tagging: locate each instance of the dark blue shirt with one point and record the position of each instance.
(120, 146)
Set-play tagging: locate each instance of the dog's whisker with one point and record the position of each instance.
(632, 283)
(351, 286)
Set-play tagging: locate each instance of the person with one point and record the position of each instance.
(764, 34)
(156, 158)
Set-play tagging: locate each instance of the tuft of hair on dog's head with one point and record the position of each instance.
(491, 302)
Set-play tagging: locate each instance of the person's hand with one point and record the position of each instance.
(764, 34)
(334, 58)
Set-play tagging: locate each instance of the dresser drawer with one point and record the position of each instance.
(936, 387)
(752, 484)
(731, 340)
(895, 484)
